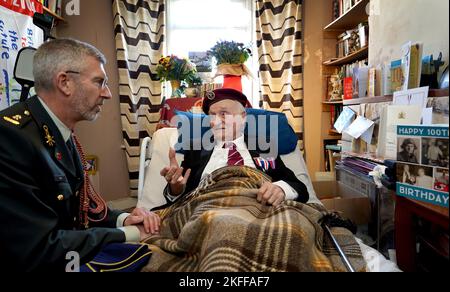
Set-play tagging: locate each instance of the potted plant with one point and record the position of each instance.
(194, 82)
(175, 70)
(230, 57)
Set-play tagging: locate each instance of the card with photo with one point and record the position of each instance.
(409, 149)
(441, 180)
(435, 152)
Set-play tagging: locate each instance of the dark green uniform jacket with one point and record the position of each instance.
(39, 202)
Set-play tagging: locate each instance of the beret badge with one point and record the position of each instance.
(210, 95)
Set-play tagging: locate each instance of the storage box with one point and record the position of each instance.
(336, 196)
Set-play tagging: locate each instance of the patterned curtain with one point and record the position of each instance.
(140, 40)
(279, 42)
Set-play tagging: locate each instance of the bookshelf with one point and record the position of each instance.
(335, 102)
(355, 56)
(346, 22)
(351, 18)
(53, 14)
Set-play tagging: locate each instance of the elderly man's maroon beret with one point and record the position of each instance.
(217, 95)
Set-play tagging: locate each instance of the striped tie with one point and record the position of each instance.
(234, 158)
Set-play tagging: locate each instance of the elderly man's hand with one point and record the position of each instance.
(174, 175)
(271, 194)
(150, 221)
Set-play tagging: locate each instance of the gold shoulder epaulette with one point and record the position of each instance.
(16, 119)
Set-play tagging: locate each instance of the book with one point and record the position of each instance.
(411, 65)
(348, 88)
(397, 79)
(363, 34)
(362, 78)
(371, 84)
(385, 80)
(415, 67)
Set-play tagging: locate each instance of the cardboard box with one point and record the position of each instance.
(336, 196)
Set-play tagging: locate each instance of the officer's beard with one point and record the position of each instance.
(80, 104)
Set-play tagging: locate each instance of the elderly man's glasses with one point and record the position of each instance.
(102, 83)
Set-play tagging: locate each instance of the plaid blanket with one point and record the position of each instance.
(220, 226)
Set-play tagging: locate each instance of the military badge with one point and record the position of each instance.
(49, 139)
(11, 120)
(210, 95)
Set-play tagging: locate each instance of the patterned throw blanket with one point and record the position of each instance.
(220, 226)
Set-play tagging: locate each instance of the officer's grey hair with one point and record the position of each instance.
(61, 55)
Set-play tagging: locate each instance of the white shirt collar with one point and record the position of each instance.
(239, 142)
(63, 129)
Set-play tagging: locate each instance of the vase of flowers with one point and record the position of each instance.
(177, 71)
(230, 57)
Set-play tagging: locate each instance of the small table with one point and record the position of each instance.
(405, 236)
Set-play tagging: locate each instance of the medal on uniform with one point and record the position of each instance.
(49, 139)
(265, 164)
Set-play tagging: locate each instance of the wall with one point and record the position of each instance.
(103, 137)
(393, 23)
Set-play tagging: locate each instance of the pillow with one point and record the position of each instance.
(260, 123)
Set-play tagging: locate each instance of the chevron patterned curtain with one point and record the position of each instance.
(140, 39)
(279, 42)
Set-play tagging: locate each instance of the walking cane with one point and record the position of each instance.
(344, 258)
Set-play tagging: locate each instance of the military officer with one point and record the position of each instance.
(47, 206)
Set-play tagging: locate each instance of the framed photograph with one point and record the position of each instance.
(201, 60)
(91, 164)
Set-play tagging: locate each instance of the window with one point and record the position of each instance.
(196, 25)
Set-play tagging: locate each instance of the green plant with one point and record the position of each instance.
(175, 68)
(226, 52)
(194, 80)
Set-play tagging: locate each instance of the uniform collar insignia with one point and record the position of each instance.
(12, 121)
(49, 139)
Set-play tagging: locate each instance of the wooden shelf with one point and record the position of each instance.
(351, 18)
(389, 98)
(53, 14)
(333, 132)
(375, 99)
(355, 56)
(333, 102)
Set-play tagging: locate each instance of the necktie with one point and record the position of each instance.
(234, 157)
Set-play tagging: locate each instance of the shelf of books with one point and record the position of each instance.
(53, 8)
(349, 13)
(360, 54)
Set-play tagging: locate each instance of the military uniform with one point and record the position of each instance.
(40, 179)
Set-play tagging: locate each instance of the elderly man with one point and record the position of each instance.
(47, 205)
(226, 110)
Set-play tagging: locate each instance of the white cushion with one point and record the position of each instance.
(163, 139)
